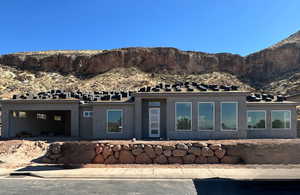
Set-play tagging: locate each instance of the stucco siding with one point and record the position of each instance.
(86, 124)
(100, 121)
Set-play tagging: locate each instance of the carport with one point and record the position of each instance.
(41, 123)
(40, 118)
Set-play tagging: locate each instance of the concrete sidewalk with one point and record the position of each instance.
(5, 172)
(169, 173)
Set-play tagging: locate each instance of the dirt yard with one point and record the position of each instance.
(18, 153)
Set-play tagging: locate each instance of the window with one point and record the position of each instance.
(183, 119)
(256, 119)
(88, 114)
(57, 118)
(22, 115)
(15, 115)
(281, 119)
(41, 116)
(205, 116)
(229, 115)
(154, 104)
(114, 121)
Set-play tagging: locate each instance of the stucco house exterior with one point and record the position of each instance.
(184, 110)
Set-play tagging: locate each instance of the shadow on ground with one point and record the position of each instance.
(218, 186)
(42, 168)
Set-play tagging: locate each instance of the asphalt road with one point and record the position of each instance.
(87, 187)
(27, 186)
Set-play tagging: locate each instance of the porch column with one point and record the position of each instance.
(169, 116)
(5, 122)
(75, 122)
(242, 120)
(138, 118)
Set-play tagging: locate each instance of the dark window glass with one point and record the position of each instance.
(229, 116)
(183, 116)
(114, 121)
(154, 104)
(256, 119)
(281, 119)
(206, 116)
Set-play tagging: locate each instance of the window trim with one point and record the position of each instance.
(284, 123)
(184, 130)
(237, 116)
(253, 129)
(89, 115)
(198, 114)
(107, 131)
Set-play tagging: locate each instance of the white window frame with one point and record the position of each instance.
(184, 130)
(108, 110)
(265, 112)
(149, 121)
(198, 114)
(87, 114)
(237, 116)
(284, 123)
(41, 116)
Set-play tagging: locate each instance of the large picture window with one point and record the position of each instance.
(205, 116)
(183, 116)
(256, 119)
(114, 121)
(229, 115)
(281, 119)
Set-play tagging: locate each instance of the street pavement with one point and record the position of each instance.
(213, 186)
(52, 179)
(90, 187)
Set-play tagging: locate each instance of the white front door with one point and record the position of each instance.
(154, 122)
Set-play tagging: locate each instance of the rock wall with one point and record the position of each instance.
(193, 152)
(105, 153)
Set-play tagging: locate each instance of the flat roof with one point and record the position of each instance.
(273, 103)
(216, 93)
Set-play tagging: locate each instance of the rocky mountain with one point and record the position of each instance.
(274, 69)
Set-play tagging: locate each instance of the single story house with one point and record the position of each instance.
(184, 110)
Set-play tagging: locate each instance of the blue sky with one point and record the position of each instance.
(236, 26)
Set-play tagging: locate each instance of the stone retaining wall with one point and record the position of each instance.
(106, 153)
(282, 151)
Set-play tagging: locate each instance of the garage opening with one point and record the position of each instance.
(41, 123)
